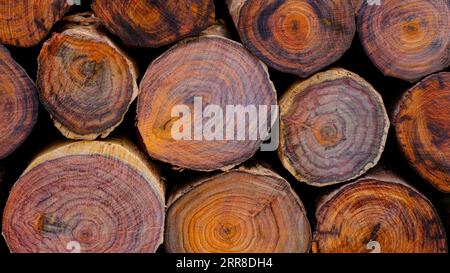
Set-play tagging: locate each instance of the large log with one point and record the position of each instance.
(18, 104)
(406, 39)
(299, 37)
(241, 211)
(25, 23)
(422, 122)
(154, 23)
(93, 196)
(334, 128)
(378, 213)
(208, 70)
(86, 82)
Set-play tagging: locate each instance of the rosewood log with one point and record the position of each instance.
(422, 122)
(86, 82)
(334, 128)
(91, 195)
(378, 213)
(25, 23)
(203, 71)
(406, 39)
(154, 23)
(240, 211)
(299, 37)
(18, 104)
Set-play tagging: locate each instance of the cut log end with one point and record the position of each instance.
(423, 129)
(154, 23)
(378, 215)
(209, 70)
(25, 23)
(102, 196)
(241, 211)
(298, 37)
(406, 39)
(333, 128)
(85, 81)
(18, 104)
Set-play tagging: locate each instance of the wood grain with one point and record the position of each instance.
(241, 211)
(154, 23)
(295, 36)
(18, 104)
(103, 195)
(86, 82)
(380, 209)
(220, 72)
(406, 39)
(334, 128)
(25, 23)
(423, 129)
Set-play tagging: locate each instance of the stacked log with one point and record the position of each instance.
(85, 81)
(18, 104)
(378, 213)
(154, 23)
(208, 70)
(246, 210)
(25, 23)
(334, 128)
(98, 196)
(299, 37)
(406, 39)
(422, 126)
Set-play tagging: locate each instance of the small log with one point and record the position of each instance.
(380, 213)
(334, 128)
(422, 126)
(240, 211)
(218, 71)
(90, 195)
(299, 37)
(406, 39)
(85, 81)
(154, 23)
(25, 23)
(18, 104)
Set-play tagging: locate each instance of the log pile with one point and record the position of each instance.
(103, 159)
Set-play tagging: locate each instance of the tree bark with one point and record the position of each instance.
(422, 126)
(18, 104)
(295, 37)
(406, 39)
(103, 196)
(380, 213)
(25, 23)
(240, 211)
(154, 23)
(211, 70)
(86, 82)
(334, 128)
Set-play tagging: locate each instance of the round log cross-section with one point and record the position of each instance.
(154, 23)
(406, 39)
(18, 104)
(333, 128)
(378, 214)
(25, 23)
(295, 36)
(209, 72)
(87, 197)
(241, 211)
(422, 123)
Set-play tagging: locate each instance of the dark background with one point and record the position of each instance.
(354, 60)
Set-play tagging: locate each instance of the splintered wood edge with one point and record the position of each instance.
(288, 99)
